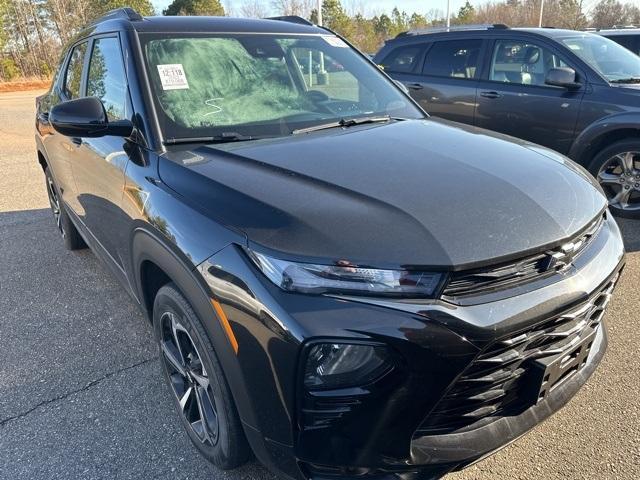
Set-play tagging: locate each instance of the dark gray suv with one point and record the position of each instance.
(575, 92)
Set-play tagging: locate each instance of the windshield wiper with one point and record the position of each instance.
(343, 122)
(627, 80)
(224, 137)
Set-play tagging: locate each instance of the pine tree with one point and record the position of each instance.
(195, 7)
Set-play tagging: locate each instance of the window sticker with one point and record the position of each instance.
(334, 41)
(172, 77)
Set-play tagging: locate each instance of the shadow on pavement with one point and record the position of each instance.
(81, 390)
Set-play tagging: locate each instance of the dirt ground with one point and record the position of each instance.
(24, 85)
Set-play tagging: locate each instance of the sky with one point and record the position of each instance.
(371, 6)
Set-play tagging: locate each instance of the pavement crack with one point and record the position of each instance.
(89, 385)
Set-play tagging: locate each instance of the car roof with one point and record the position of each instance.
(613, 32)
(553, 33)
(201, 24)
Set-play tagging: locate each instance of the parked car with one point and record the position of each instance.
(575, 92)
(627, 37)
(337, 283)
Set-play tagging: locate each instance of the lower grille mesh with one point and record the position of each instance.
(506, 378)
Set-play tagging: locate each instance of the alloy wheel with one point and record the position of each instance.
(55, 205)
(619, 176)
(189, 379)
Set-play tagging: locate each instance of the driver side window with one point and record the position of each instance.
(106, 79)
(522, 62)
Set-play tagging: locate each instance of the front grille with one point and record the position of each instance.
(524, 270)
(506, 377)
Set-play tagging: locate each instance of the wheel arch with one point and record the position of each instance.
(602, 133)
(43, 159)
(155, 264)
(152, 279)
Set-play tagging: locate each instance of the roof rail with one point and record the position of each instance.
(125, 13)
(454, 28)
(615, 27)
(291, 19)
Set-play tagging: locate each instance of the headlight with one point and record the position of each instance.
(341, 365)
(314, 278)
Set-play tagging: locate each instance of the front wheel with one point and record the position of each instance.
(617, 169)
(196, 380)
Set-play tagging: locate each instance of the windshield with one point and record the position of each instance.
(611, 60)
(264, 85)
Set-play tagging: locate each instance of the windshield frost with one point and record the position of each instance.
(264, 84)
(610, 59)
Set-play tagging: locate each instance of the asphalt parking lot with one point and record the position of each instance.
(81, 395)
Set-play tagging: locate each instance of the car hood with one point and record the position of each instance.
(414, 193)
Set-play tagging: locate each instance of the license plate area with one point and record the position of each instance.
(547, 374)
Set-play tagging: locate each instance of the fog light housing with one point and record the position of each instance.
(342, 365)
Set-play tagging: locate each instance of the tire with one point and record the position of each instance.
(70, 235)
(617, 169)
(223, 444)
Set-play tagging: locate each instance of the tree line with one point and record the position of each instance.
(34, 32)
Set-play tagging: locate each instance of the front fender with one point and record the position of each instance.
(590, 139)
(147, 246)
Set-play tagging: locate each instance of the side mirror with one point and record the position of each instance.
(86, 117)
(402, 86)
(562, 77)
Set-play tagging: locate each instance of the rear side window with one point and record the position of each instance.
(402, 59)
(106, 79)
(456, 59)
(73, 75)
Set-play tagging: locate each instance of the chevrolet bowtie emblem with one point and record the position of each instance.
(561, 258)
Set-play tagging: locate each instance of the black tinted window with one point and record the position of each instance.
(106, 78)
(402, 59)
(457, 58)
(73, 75)
(627, 41)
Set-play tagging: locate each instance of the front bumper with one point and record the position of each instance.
(371, 431)
(461, 449)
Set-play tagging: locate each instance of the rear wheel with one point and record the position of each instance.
(195, 377)
(70, 236)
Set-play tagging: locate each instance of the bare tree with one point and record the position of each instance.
(254, 9)
(33, 32)
(301, 8)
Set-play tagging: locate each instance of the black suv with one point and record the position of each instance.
(336, 282)
(575, 92)
(627, 37)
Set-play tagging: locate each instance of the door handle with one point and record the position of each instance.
(415, 86)
(490, 94)
(76, 141)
